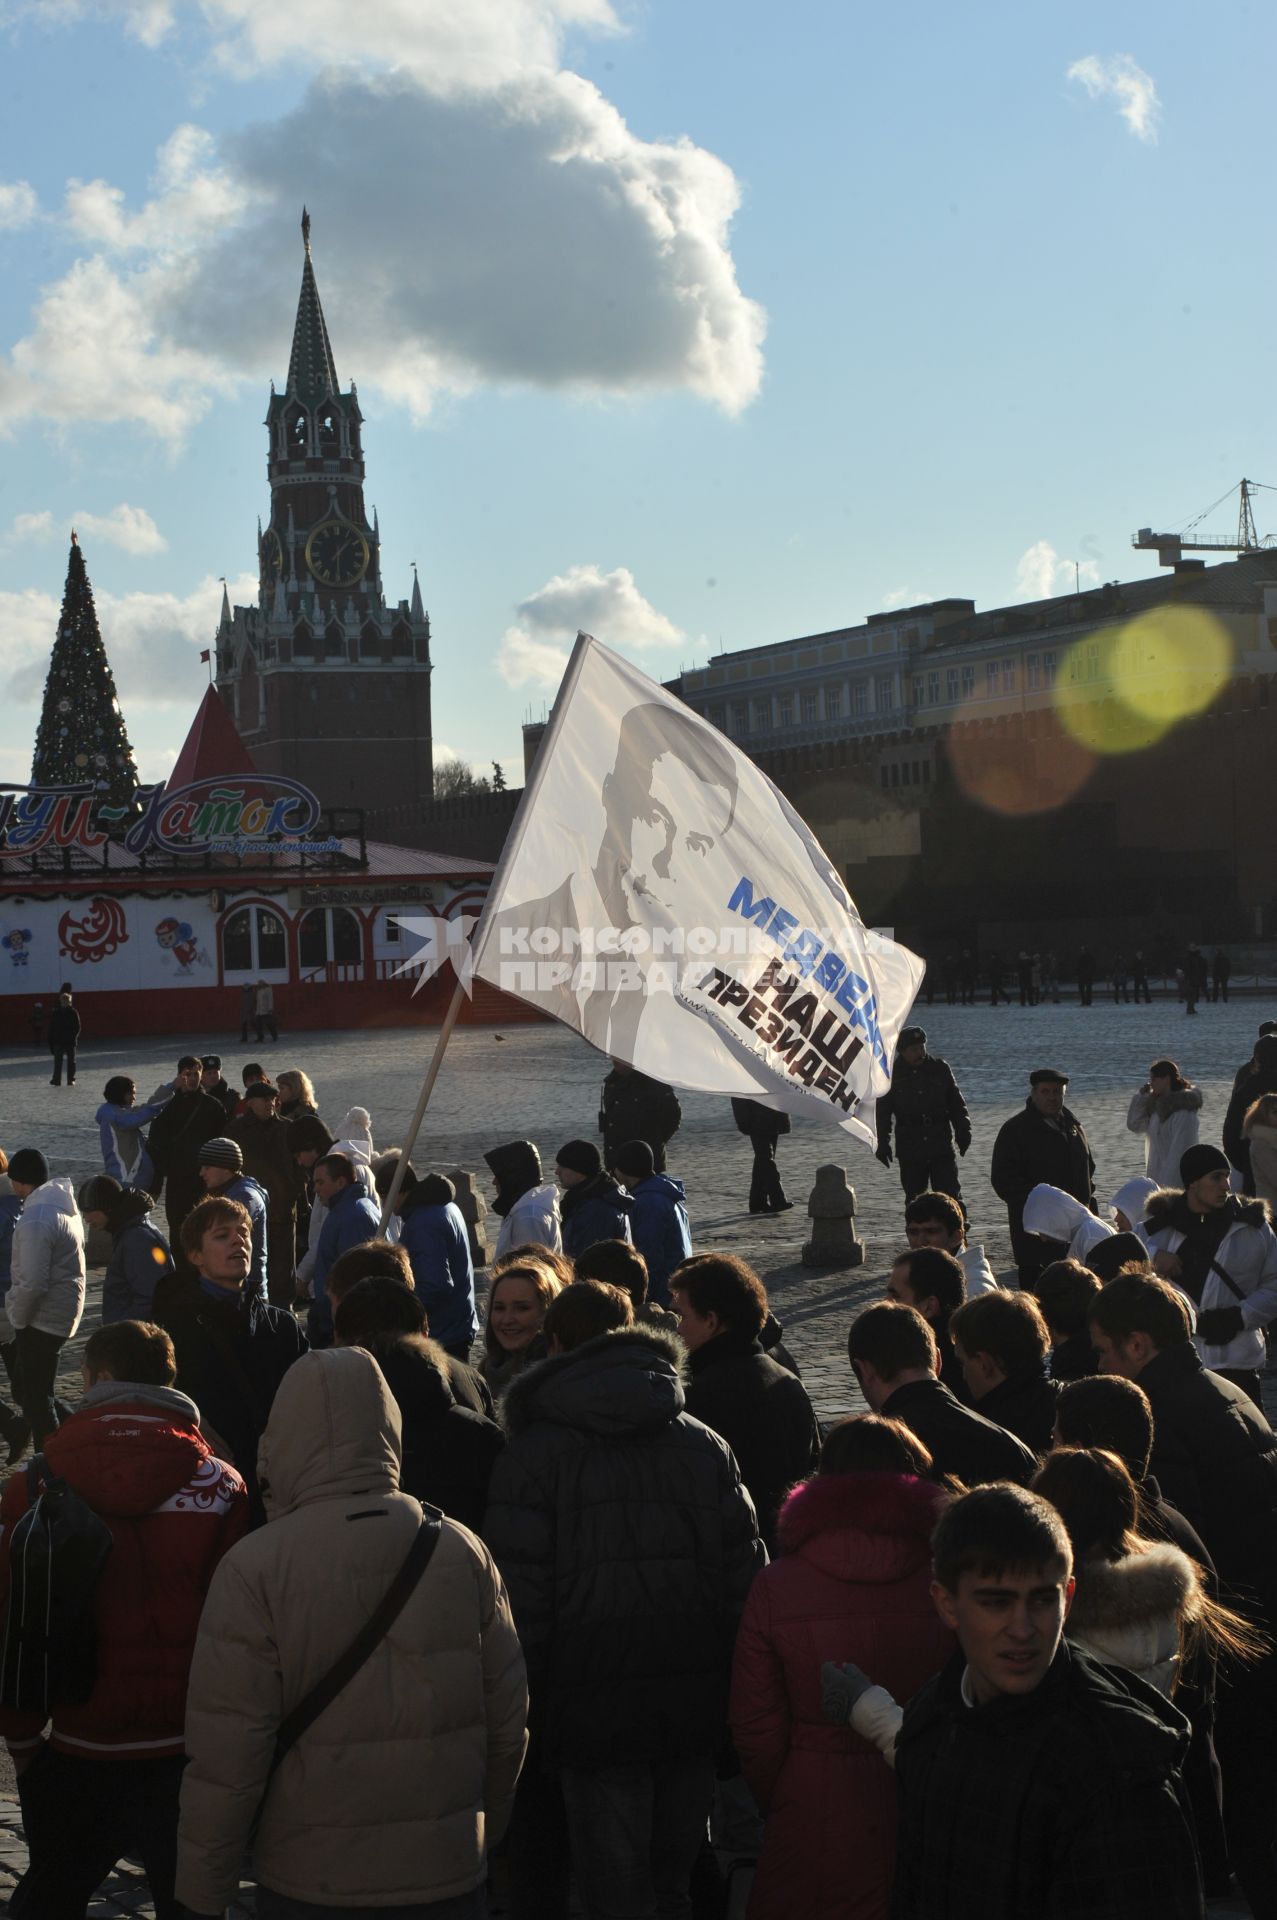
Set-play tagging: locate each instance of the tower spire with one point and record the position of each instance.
(312, 372)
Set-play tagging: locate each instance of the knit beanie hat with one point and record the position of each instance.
(30, 1166)
(1107, 1257)
(635, 1158)
(1201, 1160)
(99, 1194)
(912, 1037)
(308, 1133)
(580, 1156)
(222, 1153)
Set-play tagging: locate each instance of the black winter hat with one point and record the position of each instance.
(1266, 1052)
(30, 1166)
(99, 1194)
(912, 1037)
(434, 1190)
(1201, 1160)
(1053, 1074)
(517, 1159)
(635, 1157)
(308, 1131)
(1107, 1257)
(213, 1061)
(580, 1156)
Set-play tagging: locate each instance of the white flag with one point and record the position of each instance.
(661, 896)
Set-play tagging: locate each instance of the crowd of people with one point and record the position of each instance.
(339, 1573)
(1031, 977)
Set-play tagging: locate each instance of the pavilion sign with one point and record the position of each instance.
(249, 814)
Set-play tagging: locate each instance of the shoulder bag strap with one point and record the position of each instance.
(365, 1643)
(1228, 1280)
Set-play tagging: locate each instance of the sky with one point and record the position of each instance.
(695, 323)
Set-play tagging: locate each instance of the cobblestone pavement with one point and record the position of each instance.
(542, 1083)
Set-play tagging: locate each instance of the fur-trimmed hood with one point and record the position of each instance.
(619, 1383)
(1122, 1594)
(870, 1528)
(1168, 1208)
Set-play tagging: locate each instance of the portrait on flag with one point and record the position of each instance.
(661, 896)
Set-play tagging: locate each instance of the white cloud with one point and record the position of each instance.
(481, 215)
(583, 599)
(1119, 78)
(152, 641)
(30, 526)
(904, 597)
(130, 528)
(1041, 573)
(18, 204)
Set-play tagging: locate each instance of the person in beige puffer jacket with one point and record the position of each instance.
(393, 1796)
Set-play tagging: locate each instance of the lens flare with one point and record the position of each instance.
(1121, 689)
(1017, 774)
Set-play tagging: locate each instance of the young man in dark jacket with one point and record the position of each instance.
(267, 1146)
(658, 1216)
(1045, 1144)
(593, 1206)
(64, 1037)
(1032, 1780)
(1215, 1456)
(1002, 1345)
(628, 1545)
(232, 1349)
(104, 1781)
(893, 1355)
(930, 1119)
(214, 1084)
(758, 1406)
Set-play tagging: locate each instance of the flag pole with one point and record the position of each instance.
(414, 1127)
(513, 840)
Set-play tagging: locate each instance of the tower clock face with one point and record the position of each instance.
(337, 554)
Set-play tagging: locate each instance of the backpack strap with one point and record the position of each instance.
(1228, 1281)
(37, 1470)
(364, 1644)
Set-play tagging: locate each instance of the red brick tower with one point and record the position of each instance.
(327, 684)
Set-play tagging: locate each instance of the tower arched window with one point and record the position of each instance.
(329, 429)
(335, 640)
(297, 429)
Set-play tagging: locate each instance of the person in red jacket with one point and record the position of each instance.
(105, 1779)
(855, 1572)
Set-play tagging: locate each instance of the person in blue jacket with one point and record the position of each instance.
(221, 1169)
(352, 1219)
(593, 1207)
(140, 1255)
(658, 1216)
(435, 1239)
(125, 1155)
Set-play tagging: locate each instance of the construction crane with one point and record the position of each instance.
(1171, 547)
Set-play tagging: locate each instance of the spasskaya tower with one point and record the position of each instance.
(327, 683)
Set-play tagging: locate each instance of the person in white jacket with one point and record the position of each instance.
(307, 1140)
(1129, 1202)
(1165, 1111)
(1220, 1250)
(46, 1288)
(1056, 1215)
(528, 1206)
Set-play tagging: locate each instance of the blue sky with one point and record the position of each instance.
(694, 322)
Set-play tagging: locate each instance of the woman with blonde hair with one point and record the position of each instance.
(1260, 1128)
(296, 1094)
(513, 1337)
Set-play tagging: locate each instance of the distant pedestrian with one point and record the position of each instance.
(1165, 1111)
(763, 1127)
(1196, 976)
(930, 1118)
(1121, 976)
(264, 1020)
(1045, 1144)
(1139, 977)
(247, 996)
(1085, 976)
(633, 1106)
(1024, 977)
(37, 1023)
(64, 1037)
(997, 977)
(1221, 968)
(967, 974)
(1051, 976)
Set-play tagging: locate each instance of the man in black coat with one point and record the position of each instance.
(893, 1355)
(267, 1146)
(758, 1405)
(189, 1120)
(763, 1127)
(1032, 1780)
(1043, 1144)
(930, 1117)
(633, 1106)
(1215, 1455)
(232, 1351)
(627, 1544)
(1260, 1080)
(213, 1082)
(64, 1035)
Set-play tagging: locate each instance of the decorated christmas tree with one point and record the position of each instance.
(82, 739)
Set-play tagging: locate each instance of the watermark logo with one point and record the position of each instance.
(441, 940)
